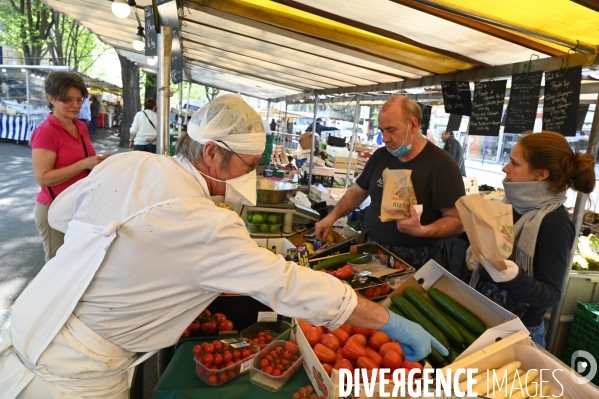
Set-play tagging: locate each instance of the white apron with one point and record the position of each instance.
(46, 340)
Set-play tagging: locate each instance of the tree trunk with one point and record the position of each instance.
(151, 86)
(131, 100)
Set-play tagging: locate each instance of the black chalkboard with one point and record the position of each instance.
(151, 36)
(562, 94)
(176, 58)
(456, 97)
(426, 117)
(454, 122)
(487, 108)
(582, 114)
(524, 100)
(168, 13)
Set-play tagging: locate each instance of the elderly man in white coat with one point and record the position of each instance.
(146, 250)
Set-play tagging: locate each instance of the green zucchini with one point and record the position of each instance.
(336, 261)
(433, 313)
(469, 338)
(436, 360)
(398, 312)
(457, 311)
(414, 314)
(454, 352)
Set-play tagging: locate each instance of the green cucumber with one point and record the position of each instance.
(454, 352)
(398, 312)
(336, 261)
(469, 338)
(436, 360)
(414, 314)
(433, 313)
(457, 311)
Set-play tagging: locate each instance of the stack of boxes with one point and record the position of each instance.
(338, 159)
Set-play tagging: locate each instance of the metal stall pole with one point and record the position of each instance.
(188, 98)
(27, 88)
(164, 75)
(268, 113)
(312, 143)
(581, 200)
(464, 144)
(180, 117)
(284, 127)
(351, 142)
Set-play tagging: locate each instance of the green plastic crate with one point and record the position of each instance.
(584, 333)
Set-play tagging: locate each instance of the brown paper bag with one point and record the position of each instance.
(398, 195)
(490, 228)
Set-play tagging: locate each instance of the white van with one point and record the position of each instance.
(346, 130)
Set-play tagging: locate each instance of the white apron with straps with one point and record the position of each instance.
(49, 347)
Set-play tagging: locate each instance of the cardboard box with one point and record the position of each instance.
(278, 245)
(340, 245)
(500, 322)
(519, 347)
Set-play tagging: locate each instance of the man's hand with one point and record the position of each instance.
(411, 225)
(323, 228)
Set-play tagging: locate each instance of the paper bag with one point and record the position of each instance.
(490, 228)
(398, 195)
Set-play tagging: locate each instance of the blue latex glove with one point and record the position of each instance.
(415, 342)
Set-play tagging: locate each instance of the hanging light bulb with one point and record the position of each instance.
(120, 8)
(139, 43)
(152, 60)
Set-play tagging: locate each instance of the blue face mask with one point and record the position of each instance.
(404, 148)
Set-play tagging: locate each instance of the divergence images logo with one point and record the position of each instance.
(587, 365)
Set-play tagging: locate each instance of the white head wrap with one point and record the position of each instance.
(231, 120)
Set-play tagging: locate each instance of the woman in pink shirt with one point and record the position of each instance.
(62, 152)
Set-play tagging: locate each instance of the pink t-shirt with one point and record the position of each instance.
(52, 136)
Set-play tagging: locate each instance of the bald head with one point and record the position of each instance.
(409, 107)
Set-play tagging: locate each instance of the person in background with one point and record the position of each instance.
(85, 113)
(142, 135)
(542, 167)
(62, 153)
(453, 148)
(320, 127)
(437, 185)
(118, 113)
(147, 250)
(273, 125)
(95, 112)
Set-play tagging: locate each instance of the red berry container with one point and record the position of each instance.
(217, 375)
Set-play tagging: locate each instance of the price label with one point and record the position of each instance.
(245, 366)
(471, 185)
(267, 316)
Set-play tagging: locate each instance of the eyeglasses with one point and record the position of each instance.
(71, 101)
(252, 167)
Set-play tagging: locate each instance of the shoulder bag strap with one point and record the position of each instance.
(86, 155)
(149, 120)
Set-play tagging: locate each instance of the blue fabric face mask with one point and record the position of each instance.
(404, 148)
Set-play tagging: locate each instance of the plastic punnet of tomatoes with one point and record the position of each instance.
(263, 333)
(219, 362)
(275, 365)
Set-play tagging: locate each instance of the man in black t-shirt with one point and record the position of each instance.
(437, 184)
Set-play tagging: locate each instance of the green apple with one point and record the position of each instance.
(264, 228)
(274, 229)
(272, 219)
(257, 219)
(254, 228)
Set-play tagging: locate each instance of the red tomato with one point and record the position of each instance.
(408, 365)
(330, 341)
(219, 317)
(208, 359)
(228, 364)
(385, 288)
(268, 370)
(374, 356)
(223, 378)
(290, 345)
(208, 328)
(212, 380)
(208, 348)
(390, 346)
(347, 328)
(217, 345)
(313, 335)
(227, 356)
(378, 339)
(359, 338)
(194, 327)
(232, 375)
(256, 341)
(324, 354)
(364, 362)
(328, 368)
(276, 372)
(341, 335)
(304, 325)
(392, 360)
(197, 350)
(218, 359)
(245, 352)
(360, 330)
(185, 333)
(344, 364)
(344, 272)
(268, 338)
(339, 354)
(352, 350)
(372, 292)
(236, 353)
(225, 325)
(206, 312)
(264, 363)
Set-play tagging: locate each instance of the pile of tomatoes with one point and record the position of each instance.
(219, 362)
(208, 324)
(263, 338)
(280, 359)
(305, 393)
(377, 290)
(350, 347)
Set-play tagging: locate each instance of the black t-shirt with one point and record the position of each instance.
(437, 183)
(530, 297)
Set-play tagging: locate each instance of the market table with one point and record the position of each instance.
(180, 381)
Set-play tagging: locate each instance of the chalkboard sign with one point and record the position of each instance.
(151, 36)
(582, 114)
(524, 100)
(426, 117)
(562, 94)
(454, 122)
(176, 58)
(487, 108)
(456, 97)
(168, 13)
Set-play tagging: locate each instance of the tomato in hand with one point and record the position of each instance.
(378, 339)
(208, 327)
(324, 354)
(225, 325)
(330, 341)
